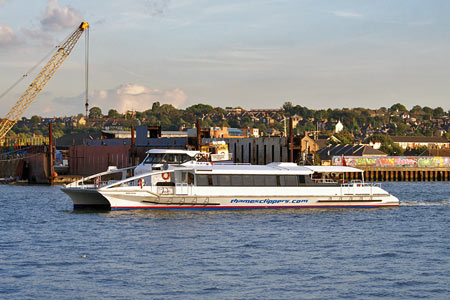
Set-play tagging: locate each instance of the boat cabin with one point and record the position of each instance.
(271, 175)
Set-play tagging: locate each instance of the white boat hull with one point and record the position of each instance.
(117, 199)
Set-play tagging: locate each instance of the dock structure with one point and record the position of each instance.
(402, 174)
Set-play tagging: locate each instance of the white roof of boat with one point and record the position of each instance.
(173, 151)
(333, 169)
(270, 169)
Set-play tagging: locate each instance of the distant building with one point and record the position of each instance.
(295, 120)
(234, 111)
(308, 145)
(273, 132)
(339, 127)
(254, 132)
(414, 142)
(226, 132)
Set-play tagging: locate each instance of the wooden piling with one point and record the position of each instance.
(51, 169)
(199, 136)
(291, 140)
(133, 149)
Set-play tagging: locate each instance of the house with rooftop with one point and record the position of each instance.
(414, 142)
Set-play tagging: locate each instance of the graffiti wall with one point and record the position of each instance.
(392, 161)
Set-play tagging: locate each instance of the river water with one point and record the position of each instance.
(49, 251)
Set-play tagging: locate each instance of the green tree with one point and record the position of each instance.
(200, 109)
(415, 109)
(35, 121)
(155, 106)
(401, 129)
(288, 108)
(387, 145)
(95, 112)
(114, 114)
(345, 137)
(398, 107)
(438, 112)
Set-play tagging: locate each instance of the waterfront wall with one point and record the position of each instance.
(401, 174)
(392, 161)
(31, 166)
(397, 168)
(88, 160)
(9, 168)
(36, 169)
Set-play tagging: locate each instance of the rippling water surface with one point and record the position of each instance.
(49, 251)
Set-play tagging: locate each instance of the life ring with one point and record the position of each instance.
(97, 181)
(141, 183)
(165, 176)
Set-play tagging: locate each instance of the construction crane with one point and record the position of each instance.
(41, 80)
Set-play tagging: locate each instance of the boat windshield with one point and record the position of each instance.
(320, 177)
(170, 158)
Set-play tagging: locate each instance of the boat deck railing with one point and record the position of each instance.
(85, 182)
(323, 180)
(360, 183)
(359, 187)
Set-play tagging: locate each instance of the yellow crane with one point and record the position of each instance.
(40, 81)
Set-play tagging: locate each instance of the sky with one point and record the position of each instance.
(248, 53)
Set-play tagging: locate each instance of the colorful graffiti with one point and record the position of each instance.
(392, 161)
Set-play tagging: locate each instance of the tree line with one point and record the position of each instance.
(355, 120)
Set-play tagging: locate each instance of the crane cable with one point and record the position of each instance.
(86, 69)
(33, 67)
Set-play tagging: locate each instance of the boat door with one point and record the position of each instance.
(182, 185)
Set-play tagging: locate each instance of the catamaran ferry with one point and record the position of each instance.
(177, 179)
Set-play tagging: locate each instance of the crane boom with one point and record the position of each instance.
(40, 81)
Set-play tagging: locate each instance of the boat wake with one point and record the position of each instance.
(425, 203)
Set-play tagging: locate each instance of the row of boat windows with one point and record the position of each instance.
(167, 158)
(250, 180)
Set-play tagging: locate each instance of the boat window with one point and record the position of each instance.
(153, 159)
(302, 179)
(172, 158)
(183, 177)
(248, 180)
(202, 180)
(236, 180)
(288, 181)
(224, 180)
(190, 178)
(185, 158)
(270, 180)
(259, 180)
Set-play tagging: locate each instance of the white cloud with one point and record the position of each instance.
(7, 35)
(346, 14)
(59, 17)
(2, 2)
(133, 96)
(129, 96)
